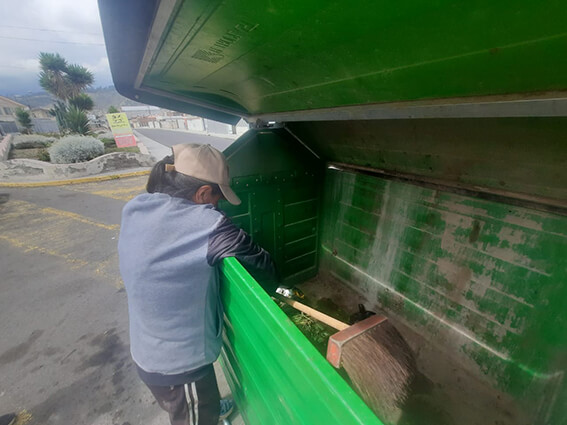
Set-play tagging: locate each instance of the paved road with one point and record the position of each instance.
(64, 356)
(172, 137)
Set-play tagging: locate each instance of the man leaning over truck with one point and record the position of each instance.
(171, 240)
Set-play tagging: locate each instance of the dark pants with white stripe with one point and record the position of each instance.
(194, 403)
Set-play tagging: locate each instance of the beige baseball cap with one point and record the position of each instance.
(205, 163)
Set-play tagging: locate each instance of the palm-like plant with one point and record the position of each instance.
(78, 78)
(76, 121)
(66, 82)
(52, 76)
(59, 111)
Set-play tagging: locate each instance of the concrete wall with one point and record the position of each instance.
(32, 170)
(5, 146)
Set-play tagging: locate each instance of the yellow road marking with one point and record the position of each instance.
(23, 417)
(74, 262)
(79, 217)
(102, 270)
(31, 228)
(77, 181)
(23, 207)
(28, 207)
(124, 194)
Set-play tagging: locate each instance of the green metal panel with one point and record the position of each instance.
(276, 375)
(484, 282)
(278, 181)
(259, 57)
(516, 155)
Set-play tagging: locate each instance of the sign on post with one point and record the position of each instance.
(121, 130)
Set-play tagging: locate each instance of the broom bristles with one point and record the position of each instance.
(381, 366)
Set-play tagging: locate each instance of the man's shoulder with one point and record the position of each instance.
(163, 205)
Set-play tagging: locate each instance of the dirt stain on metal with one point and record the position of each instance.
(475, 232)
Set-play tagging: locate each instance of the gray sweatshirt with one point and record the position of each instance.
(168, 250)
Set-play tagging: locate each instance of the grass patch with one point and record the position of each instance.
(134, 149)
(108, 142)
(32, 153)
(316, 332)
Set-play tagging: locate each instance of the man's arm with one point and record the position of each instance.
(227, 240)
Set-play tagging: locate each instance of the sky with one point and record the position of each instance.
(69, 27)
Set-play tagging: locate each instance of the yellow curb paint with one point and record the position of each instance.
(77, 181)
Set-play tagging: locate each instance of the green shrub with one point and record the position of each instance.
(43, 155)
(24, 119)
(50, 135)
(108, 142)
(31, 141)
(75, 149)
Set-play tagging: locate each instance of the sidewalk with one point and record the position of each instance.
(151, 147)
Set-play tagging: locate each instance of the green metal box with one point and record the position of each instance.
(473, 279)
(412, 152)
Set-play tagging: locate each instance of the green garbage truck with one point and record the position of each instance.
(410, 156)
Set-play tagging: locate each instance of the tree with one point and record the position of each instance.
(62, 80)
(66, 82)
(113, 110)
(52, 75)
(82, 101)
(24, 119)
(78, 79)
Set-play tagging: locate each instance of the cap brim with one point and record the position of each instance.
(229, 195)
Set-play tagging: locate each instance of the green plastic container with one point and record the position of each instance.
(412, 152)
(474, 280)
